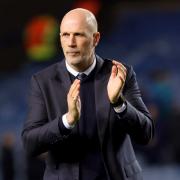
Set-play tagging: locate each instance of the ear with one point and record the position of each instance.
(96, 39)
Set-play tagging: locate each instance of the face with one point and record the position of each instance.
(78, 42)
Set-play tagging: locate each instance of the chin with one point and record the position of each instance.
(74, 62)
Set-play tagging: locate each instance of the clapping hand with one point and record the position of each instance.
(116, 81)
(74, 104)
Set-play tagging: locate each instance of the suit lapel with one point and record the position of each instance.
(101, 98)
(61, 84)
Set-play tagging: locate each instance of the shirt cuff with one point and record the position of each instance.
(65, 122)
(120, 108)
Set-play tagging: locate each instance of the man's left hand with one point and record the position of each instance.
(116, 81)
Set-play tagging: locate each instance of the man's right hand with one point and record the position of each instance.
(74, 103)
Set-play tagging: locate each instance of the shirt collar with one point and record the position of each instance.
(87, 71)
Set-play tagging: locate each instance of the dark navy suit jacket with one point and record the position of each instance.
(48, 102)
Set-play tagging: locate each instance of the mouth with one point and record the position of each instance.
(73, 53)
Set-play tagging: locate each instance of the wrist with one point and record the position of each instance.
(66, 124)
(70, 119)
(119, 102)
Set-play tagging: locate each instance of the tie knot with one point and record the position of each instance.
(81, 76)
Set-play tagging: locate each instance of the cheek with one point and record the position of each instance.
(62, 42)
(87, 46)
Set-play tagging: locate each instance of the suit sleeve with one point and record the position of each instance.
(136, 119)
(40, 135)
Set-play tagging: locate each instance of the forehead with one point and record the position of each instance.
(74, 23)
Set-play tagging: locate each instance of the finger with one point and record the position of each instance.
(122, 78)
(114, 71)
(79, 103)
(116, 62)
(122, 71)
(124, 68)
(74, 85)
(75, 93)
(121, 66)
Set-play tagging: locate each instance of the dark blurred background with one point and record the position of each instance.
(145, 34)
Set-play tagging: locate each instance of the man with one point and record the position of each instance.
(86, 124)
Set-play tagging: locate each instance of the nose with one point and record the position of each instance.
(72, 41)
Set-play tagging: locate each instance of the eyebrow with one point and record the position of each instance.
(74, 33)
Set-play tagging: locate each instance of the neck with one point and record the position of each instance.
(81, 67)
(87, 70)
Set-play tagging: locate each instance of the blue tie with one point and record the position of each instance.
(81, 76)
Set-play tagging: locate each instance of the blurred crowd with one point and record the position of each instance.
(14, 163)
(165, 146)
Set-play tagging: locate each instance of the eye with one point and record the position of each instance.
(79, 34)
(64, 34)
